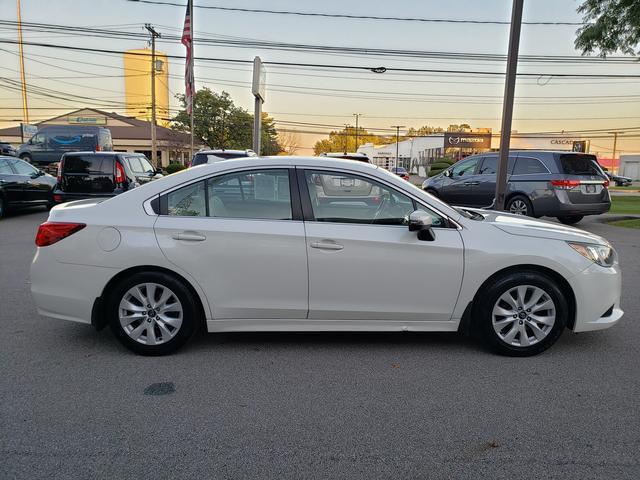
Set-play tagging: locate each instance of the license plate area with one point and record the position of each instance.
(591, 188)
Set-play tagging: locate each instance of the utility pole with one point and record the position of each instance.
(357, 115)
(154, 152)
(507, 107)
(25, 106)
(615, 142)
(397, 127)
(346, 137)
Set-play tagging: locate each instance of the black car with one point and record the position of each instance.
(619, 180)
(22, 185)
(7, 149)
(565, 185)
(101, 174)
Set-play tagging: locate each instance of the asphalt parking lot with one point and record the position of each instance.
(75, 404)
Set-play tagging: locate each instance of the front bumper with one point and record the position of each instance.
(597, 291)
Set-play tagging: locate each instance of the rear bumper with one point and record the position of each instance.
(597, 291)
(560, 205)
(61, 197)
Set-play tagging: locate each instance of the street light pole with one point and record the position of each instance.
(397, 127)
(357, 115)
(507, 107)
(154, 151)
(25, 106)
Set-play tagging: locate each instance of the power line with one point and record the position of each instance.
(353, 17)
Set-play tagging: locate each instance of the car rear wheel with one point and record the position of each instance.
(27, 158)
(521, 314)
(152, 313)
(570, 220)
(520, 205)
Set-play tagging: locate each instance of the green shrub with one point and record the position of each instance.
(440, 165)
(435, 171)
(174, 167)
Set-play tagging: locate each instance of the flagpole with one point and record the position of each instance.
(193, 75)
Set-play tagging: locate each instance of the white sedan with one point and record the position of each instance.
(315, 244)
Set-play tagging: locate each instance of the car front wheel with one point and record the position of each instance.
(521, 314)
(152, 313)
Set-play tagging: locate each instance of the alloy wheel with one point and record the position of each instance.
(150, 313)
(523, 315)
(519, 207)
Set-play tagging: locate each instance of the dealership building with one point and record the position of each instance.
(417, 153)
(128, 134)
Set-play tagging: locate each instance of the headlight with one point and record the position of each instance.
(603, 255)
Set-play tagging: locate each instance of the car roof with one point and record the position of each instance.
(100, 152)
(219, 150)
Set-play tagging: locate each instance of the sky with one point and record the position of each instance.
(330, 96)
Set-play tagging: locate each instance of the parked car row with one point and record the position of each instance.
(23, 185)
(565, 185)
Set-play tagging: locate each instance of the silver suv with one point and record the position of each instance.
(565, 185)
(213, 156)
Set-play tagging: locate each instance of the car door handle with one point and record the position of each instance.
(189, 236)
(327, 245)
(470, 184)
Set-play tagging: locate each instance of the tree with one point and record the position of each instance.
(289, 141)
(463, 127)
(609, 26)
(220, 124)
(345, 140)
(424, 130)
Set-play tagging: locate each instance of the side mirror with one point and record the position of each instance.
(447, 173)
(421, 222)
(159, 171)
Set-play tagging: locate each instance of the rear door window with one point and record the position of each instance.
(576, 164)
(23, 168)
(139, 164)
(529, 166)
(490, 166)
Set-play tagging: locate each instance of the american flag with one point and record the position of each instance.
(187, 41)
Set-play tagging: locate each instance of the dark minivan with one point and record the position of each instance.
(565, 185)
(52, 141)
(101, 174)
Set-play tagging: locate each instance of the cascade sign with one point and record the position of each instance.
(467, 140)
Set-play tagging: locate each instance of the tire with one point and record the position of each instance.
(520, 205)
(27, 158)
(169, 328)
(570, 220)
(491, 308)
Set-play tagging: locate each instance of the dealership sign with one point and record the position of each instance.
(467, 140)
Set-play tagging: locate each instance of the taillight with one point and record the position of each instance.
(52, 232)
(57, 198)
(59, 174)
(565, 184)
(605, 184)
(98, 148)
(119, 173)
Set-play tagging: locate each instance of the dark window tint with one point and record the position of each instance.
(258, 194)
(89, 164)
(490, 165)
(23, 168)
(528, 165)
(202, 158)
(574, 164)
(5, 169)
(189, 201)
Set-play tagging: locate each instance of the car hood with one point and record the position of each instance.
(531, 227)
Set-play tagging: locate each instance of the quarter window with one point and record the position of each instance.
(5, 169)
(528, 166)
(23, 168)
